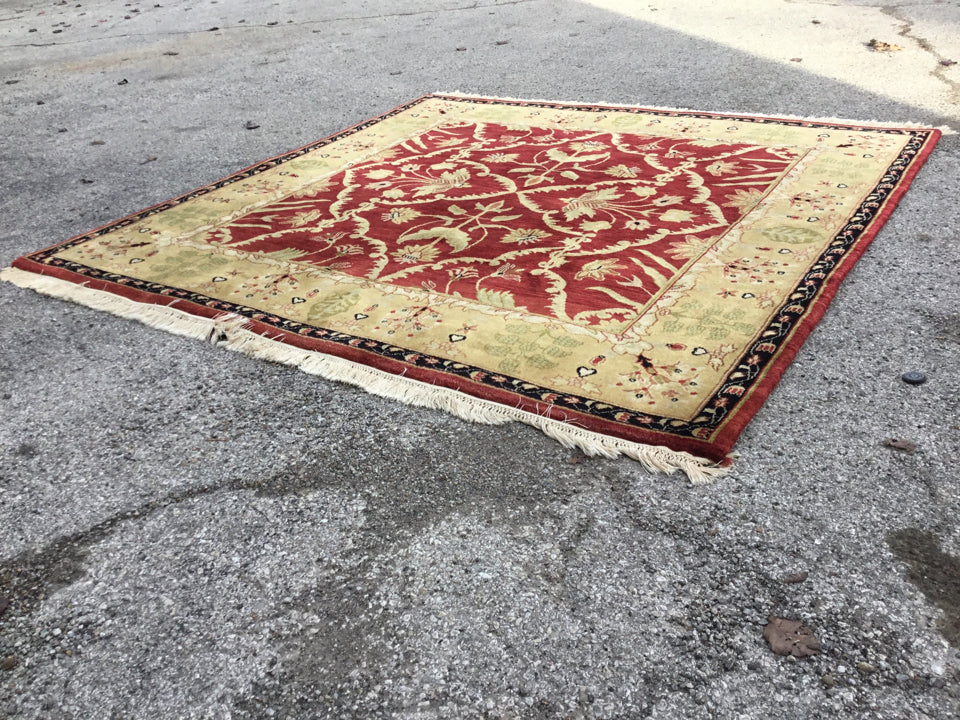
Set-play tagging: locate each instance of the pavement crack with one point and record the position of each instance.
(907, 32)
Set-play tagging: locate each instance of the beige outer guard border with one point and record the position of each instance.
(228, 330)
(944, 129)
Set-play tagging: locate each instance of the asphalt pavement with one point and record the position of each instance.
(187, 532)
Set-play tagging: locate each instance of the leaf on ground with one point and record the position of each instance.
(881, 46)
(901, 445)
(790, 637)
(797, 577)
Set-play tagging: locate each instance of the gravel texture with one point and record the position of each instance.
(189, 533)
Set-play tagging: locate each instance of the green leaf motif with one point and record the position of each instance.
(496, 298)
(187, 263)
(555, 352)
(509, 366)
(333, 304)
(285, 255)
(791, 235)
(457, 239)
(540, 362)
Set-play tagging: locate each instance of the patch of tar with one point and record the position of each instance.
(934, 572)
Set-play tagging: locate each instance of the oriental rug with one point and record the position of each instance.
(631, 281)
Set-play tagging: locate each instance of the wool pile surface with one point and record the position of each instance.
(631, 281)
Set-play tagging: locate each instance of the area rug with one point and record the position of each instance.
(630, 281)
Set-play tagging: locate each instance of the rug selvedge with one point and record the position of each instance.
(716, 297)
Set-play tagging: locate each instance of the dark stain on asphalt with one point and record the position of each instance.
(397, 507)
(28, 578)
(934, 572)
(396, 504)
(25, 450)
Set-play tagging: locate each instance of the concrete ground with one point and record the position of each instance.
(189, 533)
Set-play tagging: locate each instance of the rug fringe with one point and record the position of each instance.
(230, 331)
(944, 129)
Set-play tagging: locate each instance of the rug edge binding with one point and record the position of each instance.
(229, 330)
(944, 129)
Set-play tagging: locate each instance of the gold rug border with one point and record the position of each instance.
(229, 330)
(731, 114)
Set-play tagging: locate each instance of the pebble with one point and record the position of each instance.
(828, 680)
(8, 663)
(865, 667)
(914, 378)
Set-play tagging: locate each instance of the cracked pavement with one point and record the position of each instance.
(191, 533)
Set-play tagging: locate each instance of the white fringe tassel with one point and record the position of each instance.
(230, 331)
